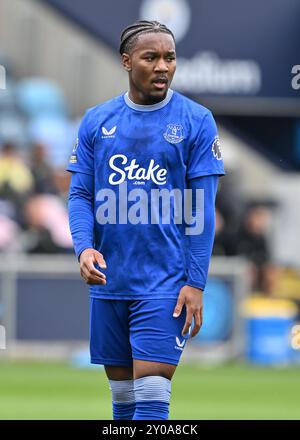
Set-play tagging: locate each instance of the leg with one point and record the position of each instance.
(152, 387)
(157, 345)
(122, 391)
(148, 368)
(118, 373)
(110, 346)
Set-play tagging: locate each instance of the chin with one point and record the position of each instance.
(157, 96)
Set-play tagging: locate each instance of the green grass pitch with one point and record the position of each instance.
(234, 391)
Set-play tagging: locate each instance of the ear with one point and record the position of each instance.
(126, 61)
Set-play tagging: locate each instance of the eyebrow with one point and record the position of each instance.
(154, 52)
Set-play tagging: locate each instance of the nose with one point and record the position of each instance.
(161, 66)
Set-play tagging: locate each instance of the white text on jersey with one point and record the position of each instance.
(133, 171)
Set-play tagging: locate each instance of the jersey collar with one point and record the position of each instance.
(150, 107)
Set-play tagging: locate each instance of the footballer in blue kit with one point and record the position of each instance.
(145, 173)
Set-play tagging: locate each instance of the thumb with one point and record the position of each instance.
(178, 308)
(100, 260)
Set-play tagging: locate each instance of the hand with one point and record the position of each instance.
(192, 298)
(87, 269)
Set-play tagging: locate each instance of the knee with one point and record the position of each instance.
(149, 388)
(152, 398)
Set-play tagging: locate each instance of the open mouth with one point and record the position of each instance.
(160, 83)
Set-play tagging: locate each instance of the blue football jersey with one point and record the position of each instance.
(140, 155)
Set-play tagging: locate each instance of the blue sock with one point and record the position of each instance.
(123, 402)
(123, 411)
(152, 397)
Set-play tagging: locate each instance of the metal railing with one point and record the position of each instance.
(15, 269)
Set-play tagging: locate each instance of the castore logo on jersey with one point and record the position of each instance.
(108, 133)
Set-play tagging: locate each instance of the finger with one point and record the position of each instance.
(178, 307)
(100, 260)
(90, 268)
(92, 279)
(95, 280)
(96, 272)
(188, 323)
(197, 323)
(88, 272)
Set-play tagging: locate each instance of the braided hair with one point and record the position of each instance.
(130, 34)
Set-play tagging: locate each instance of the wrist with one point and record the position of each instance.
(83, 250)
(197, 287)
(194, 289)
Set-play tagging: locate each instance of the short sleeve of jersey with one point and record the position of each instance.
(82, 156)
(205, 156)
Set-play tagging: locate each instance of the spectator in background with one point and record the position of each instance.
(225, 240)
(16, 179)
(30, 200)
(229, 211)
(16, 182)
(9, 231)
(230, 205)
(252, 242)
(47, 223)
(42, 172)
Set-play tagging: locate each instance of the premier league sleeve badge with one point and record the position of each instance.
(216, 148)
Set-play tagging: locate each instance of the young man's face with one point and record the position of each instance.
(151, 66)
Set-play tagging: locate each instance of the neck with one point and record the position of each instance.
(148, 107)
(139, 98)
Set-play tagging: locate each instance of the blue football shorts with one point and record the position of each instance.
(123, 330)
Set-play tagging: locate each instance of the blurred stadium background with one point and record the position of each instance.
(241, 59)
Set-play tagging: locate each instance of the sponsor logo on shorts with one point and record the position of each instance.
(179, 345)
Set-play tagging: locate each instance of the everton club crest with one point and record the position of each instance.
(174, 133)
